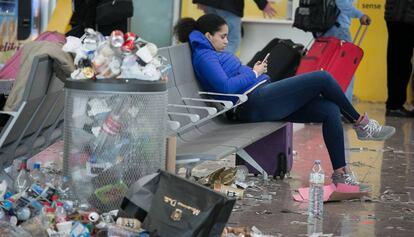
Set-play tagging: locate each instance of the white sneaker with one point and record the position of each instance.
(369, 129)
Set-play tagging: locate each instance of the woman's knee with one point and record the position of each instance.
(325, 75)
(327, 78)
(321, 75)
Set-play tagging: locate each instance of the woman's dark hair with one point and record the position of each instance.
(207, 23)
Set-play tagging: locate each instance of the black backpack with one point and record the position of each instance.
(316, 15)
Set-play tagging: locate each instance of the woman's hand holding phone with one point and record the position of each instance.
(260, 67)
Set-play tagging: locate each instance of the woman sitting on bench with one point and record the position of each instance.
(309, 98)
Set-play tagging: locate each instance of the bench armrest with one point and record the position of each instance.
(193, 117)
(8, 128)
(227, 104)
(11, 113)
(173, 125)
(242, 97)
(210, 110)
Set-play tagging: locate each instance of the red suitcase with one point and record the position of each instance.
(339, 58)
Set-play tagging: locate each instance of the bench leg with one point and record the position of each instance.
(171, 154)
(246, 157)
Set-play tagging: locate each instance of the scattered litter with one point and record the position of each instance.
(368, 222)
(264, 212)
(298, 223)
(244, 185)
(409, 210)
(248, 195)
(360, 164)
(390, 195)
(228, 190)
(294, 212)
(241, 173)
(245, 232)
(236, 231)
(365, 149)
(266, 196)
(366, 199)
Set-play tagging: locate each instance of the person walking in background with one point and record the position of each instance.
(232, 12)
(341, 30)
(399, 16)
(84, 16)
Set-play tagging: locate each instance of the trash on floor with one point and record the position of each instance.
(332, 192)
(244, 232)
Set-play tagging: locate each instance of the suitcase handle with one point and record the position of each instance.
(360, 36)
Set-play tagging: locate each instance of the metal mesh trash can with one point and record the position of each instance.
(114, 133)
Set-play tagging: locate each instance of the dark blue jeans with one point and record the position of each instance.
(309, 98)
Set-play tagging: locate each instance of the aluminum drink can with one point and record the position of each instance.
(117, 38)
(130, 36)
(128, 46)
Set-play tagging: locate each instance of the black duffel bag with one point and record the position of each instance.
(284, 59)
(111, 11)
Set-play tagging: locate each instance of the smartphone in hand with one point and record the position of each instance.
(265, 59)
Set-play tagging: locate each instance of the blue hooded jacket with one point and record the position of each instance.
(220, 72)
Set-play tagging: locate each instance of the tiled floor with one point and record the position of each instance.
(387, 166)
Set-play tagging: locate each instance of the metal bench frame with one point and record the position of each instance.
(37, 121)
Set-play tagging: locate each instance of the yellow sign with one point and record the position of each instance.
(8, 39)
(252, 12)
(188, 9)
(60, 18)
(371, 75)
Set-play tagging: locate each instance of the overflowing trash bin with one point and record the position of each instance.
(114, 134)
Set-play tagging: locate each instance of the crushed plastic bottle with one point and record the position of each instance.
(60, 213)
(109, 142)
(22, 181)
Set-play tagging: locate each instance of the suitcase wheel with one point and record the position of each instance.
(282, 166)
(282, 175)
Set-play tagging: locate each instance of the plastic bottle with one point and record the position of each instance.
(242, 173)
(50, 215)
(316, 181)
(315, 227)
(109, 141)
(43, 214)
(60, 213)
(37, 176)
(22, 181)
